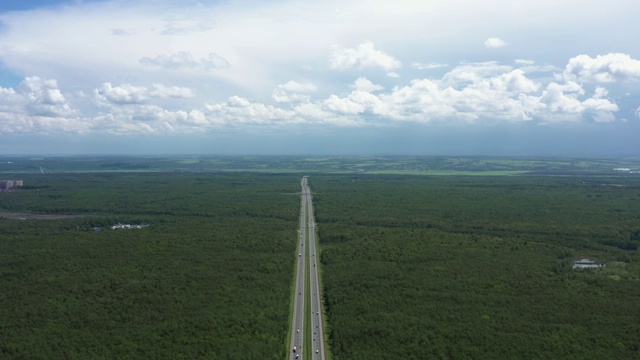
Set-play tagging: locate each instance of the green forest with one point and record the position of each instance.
(413, 267)
(210, 277)
(479, 267)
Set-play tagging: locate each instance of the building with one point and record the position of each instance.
(11, 184)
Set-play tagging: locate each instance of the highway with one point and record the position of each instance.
(307, 250)
(297, 323)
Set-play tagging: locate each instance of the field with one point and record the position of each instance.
(419, 259)
(406, 165)
(479, 267)
(209, 278)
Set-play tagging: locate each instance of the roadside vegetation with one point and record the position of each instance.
(478, 267)
(209, 277)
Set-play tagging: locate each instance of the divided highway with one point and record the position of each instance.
(307, 250)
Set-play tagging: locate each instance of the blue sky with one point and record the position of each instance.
(494, 77)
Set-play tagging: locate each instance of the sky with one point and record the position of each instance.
(295, 77)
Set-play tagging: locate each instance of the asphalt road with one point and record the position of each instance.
(297, 325)
(317, 332)
(307, 249)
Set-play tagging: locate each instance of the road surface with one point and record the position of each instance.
(297, 324)
(307, 249)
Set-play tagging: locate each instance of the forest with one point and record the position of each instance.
(479, 267)
(210, 277)
(413, 267)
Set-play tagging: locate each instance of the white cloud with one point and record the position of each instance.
(473, 72)
(130, 94)
(427, 66)
(185, 60)
(292, 91)
(363, 56)
(393, 74)
(471, 92)
(37, 106)
(44, 98)
(603, 68)
(514, 81)
(167, 92)
(638, 112)
(123, 94)
(364, 84)
(240, 111)
(494, 42)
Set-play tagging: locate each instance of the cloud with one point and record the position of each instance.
(494, 42)
(123, 94)
(37, 106)
(427, 66)
(130, 94)
(473, 72)
(607, 68)
(487, 92)
(170, 92)
(637, 113)
(185, 60)
(364, 84)
(240, 111)
(292, 92)
(44, 98)
(364, 56)
(560, 102)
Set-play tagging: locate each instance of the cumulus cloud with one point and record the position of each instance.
(494, 42)
(37, 106)
(185, 60)
(364, 56)
(603, 68)
(364, 84)
(470, 92)
(123, 94)
(474, 72)
(130, 94)
(44, 98)
(293, 92)
(240, 111)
